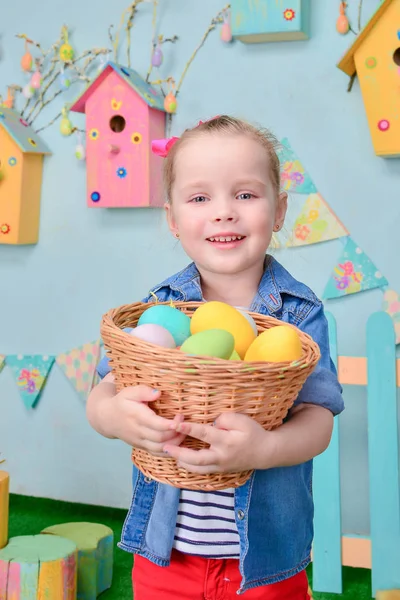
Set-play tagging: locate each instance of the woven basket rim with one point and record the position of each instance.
(201, 360)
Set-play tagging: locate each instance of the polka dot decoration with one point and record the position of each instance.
(371, 62)
(5, 228)
(95, 196)
(384, 125)
(136, 138)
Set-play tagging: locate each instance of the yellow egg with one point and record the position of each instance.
(278, 344)
(218, 315)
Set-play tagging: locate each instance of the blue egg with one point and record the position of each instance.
(177, 323)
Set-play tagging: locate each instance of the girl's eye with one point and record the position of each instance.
(198, 199)
(245, 196)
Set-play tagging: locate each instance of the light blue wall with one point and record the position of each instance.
(53, 294)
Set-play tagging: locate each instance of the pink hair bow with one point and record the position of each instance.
(162, 147)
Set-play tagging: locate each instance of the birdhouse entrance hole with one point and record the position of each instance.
(396, 56)
(117, 123)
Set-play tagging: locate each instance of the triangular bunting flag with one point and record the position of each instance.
(391, 305)
(79, 365)
(2, 360)
(294, 177)
(316, 223)
(30, 372)
(354, 272)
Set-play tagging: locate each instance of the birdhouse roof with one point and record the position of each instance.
(22, 133)
(347, 63)
(147, 92)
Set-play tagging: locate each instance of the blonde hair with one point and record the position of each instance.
(225, 124)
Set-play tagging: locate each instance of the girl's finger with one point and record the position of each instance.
(203, 457)
(160, 437)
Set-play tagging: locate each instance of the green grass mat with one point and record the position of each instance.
(28, 516)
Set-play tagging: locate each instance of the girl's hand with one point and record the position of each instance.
(237, 443)
(128, 417)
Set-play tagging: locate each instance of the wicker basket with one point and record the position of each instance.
(202, 388)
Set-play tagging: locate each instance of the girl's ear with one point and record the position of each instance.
(170, 219)
(281, 208)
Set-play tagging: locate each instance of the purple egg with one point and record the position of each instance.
(155, 334)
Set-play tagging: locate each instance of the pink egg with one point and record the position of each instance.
(155, 334)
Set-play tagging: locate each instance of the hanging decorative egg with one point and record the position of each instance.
(157, 58)
(27, 60)
(342, 23)
(9, 101)
(66, 126)
(80, 153)
(36, 79)
(226, 31)
(67, 53)
(28, 91)
(66, 50)
(170, 103)
(64, 81)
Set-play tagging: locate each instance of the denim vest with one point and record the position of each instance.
(274, 508)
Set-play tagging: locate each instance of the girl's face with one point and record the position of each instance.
(224, 205)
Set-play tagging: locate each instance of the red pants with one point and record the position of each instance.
(195, 578)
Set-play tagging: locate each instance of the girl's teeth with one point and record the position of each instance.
(226, 239)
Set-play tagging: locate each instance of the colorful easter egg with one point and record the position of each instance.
(234, 356)
(36, 80)
(212, 342)
(278, 344)
(172, 319)
(154, 334)
(249, 318)
(28, 91)
(226, 32)
(64, 81)
(27, 61)
(66, 52)
(80, 153)
(218, 315)
(157, 57)
(66, 126)
(170, 103)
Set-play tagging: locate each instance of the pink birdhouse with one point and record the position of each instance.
(123, 115)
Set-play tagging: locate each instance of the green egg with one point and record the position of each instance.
(234, 356)
(172, 319)
(217, 343)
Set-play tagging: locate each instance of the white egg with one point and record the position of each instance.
(154, 334)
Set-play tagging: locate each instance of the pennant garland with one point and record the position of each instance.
(79, 366)
(354, 272)
(391, 305)
(30, 373)
(316, 223)
(294, 177)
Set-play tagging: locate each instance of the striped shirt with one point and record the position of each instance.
(206, 524)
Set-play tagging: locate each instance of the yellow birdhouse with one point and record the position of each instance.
(21, 165)
(375, 57)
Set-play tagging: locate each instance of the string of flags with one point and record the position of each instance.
(312, 221)
(31, 371)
